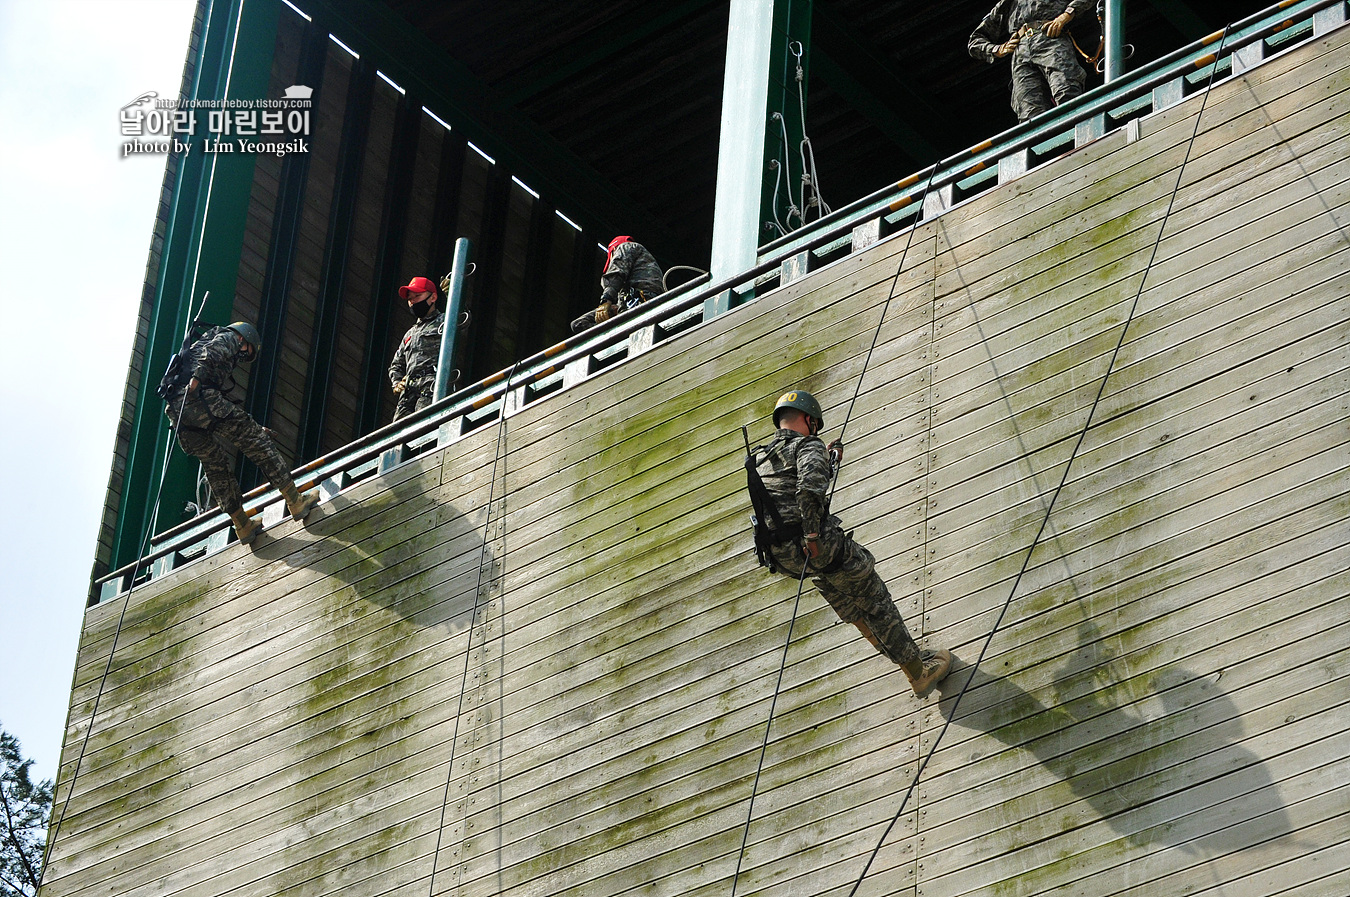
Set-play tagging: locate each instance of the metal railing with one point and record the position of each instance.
(1152, 88)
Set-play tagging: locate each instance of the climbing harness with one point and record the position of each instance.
(1101, 390)
(122, 614)
(498, 454)
(767, 536)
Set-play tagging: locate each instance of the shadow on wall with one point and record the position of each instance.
(400, 549)
(1177, 778)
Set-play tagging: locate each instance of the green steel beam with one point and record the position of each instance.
(209, 208)
(876, 110)
(480, 112)
(1113, 38)
(598, 45)
(869, 81)
(1182, 16)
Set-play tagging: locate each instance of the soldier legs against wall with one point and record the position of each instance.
(199, 432)
(845, 573)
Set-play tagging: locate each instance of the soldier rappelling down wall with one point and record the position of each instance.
(789, 487)
(413, 370)
(194, 390)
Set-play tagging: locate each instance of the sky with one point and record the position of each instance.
(75, 227)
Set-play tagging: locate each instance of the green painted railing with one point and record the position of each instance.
(915, 199)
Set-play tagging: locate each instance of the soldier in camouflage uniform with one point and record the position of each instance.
(1045, 69)
(794, 473)
(631, 277)
(202, 415)
(413, 370)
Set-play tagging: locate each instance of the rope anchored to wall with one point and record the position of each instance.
(801, 580)
(498, 455)
(1087, 426)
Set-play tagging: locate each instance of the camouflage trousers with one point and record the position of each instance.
(207, 420)
(1045, 72)
(853, 589)
(414, 398)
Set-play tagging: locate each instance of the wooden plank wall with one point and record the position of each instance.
(540, 661)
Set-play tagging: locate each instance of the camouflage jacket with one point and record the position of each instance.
(417, 355)
(211, 359)
(796, 472)
(631, 269)
(1008, 16)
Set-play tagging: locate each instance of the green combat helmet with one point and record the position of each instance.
(249, 333)
(803, 401)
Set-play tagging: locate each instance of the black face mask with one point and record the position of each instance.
(420, 309)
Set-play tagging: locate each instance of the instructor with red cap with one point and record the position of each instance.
(413, 370)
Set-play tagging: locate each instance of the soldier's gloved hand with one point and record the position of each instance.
(606, 311)
(810, 547)
(837, 452)
(400, 386)
(1057, 25)
(1007, 48)
(193, 385)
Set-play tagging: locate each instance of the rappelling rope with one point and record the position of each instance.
(497, 455)
(764, 746)
(121, 615)
(1026, 561)
(801, 580)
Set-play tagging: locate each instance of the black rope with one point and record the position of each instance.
(801, 580)
(763, 748)
(121, 616)
(1026, 561)
(497, 455)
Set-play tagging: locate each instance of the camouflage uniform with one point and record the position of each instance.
(631, 278)
(796, 472)
(416, 358)
(1045, 69)
(205, 416)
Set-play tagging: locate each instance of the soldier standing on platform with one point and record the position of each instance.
(413, 370)
(789, 487)
(201, 415)
(1045, 69)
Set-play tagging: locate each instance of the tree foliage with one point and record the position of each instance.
(24, 807)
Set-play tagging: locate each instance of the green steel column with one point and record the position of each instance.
(1114, 30)
(754, 87)
(458, 271)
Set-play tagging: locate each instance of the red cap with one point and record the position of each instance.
(613, 245)
(417, 285)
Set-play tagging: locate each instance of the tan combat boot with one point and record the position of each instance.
(928, 670)
(300, 505)
(245, 527)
